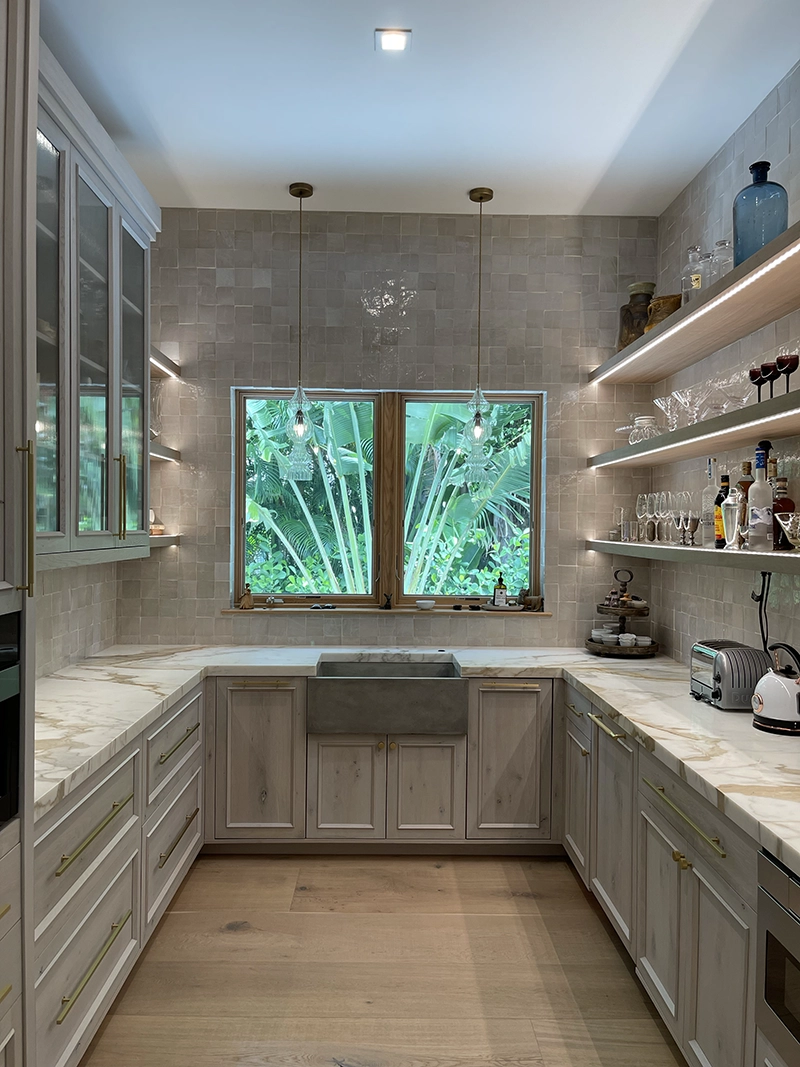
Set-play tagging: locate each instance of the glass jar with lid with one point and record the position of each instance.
(691, 276)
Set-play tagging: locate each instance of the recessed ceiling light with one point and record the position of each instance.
(392, 40)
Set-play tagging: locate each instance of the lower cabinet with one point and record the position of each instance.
(766, 1056)
(11, 1036)
(376, 787)
(260, 758)
(509, 762)
(577, 794)
(612, 845)
(696, 944)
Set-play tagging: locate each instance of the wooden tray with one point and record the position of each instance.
(597, 648)
(509, 607)
(628, 613)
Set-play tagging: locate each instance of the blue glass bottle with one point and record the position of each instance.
(760, 214)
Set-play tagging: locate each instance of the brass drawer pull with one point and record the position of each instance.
(575, 711)
(513, 685)
(392, 746)
(714, 842)
(68, 1003)
(6, 908)
(585, 751)
(604, 728)
(171, 752)
(30, 523)
(381, 746)
(68, 859)
(265, 683)
(163, 858)
(4, 992)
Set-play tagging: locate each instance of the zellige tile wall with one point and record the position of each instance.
(389, 303)
(76, 614)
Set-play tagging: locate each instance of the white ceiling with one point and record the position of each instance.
(563, 106)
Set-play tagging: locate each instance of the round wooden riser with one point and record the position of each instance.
(597, 648)
(626, 613)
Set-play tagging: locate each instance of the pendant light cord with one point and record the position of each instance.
(300, 304)
(480, 287)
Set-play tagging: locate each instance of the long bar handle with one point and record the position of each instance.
(6, 908)
(163, 857)
(512, 685)
(604, 728)
(122, 495)
(4, 992)
(267, 683)
(68, 859)
(68, 1003)
(714, 842)
(30, 502)
(171, 752)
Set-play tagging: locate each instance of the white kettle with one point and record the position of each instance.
(776, 699)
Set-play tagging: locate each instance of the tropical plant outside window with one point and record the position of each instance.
(448, 528)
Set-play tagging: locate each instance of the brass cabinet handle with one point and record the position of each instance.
(6, 908)
(585, 751)
(30, 501)
(68, 859)
(68, 1003)
(163, 857)
(4, 992)
(123, 495)
(714, 842)
(575, 711)
(381, 746)
(392, 746)
(604, 728)
(171, 752)
(684, 864)
(532, 688)
(266, 683)
(677, 856)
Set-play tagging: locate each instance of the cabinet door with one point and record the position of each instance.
(766, 1056)
(426, 788)
(347, 786)
(260, 758)
(577, 797)
(612, 846)
(658, 923)
(11, 1037)
(510, 743)
(719, 947)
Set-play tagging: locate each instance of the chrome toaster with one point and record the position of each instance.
(724, 673)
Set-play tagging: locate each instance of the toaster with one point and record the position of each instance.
(725, 673)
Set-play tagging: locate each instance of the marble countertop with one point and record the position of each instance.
(87, 712)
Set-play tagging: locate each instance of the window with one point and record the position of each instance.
(393, 504)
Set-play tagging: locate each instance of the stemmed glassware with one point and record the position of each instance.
(665, 515)
(671, 409)
(641, 515)
(652, 516)
(692, 399)
(770, 373)
(692, 516)
(757, 378)
(678, 511)
(787, 363)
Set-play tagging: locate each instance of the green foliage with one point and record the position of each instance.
(316, 536)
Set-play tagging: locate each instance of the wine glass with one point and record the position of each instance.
(757, 378)
(665, 514)
(652, 516)
(641, 514)
(693, 517)
(770, 373)
(676, 512)
(787, 363)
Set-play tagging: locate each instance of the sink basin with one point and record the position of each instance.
(399, 696)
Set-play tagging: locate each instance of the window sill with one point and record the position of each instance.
(296, 609)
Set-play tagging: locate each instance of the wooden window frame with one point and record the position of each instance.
(388, 493)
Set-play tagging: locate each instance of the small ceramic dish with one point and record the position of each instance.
(426, 605)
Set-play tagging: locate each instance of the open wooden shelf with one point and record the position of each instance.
(777, 562)
(164, 540)
(762, 289)
(158, 451)
(776, 418)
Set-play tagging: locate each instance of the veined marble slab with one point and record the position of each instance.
(88, 712)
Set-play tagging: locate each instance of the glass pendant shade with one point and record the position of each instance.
(299, 431)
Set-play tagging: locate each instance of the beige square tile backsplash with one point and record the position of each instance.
(390, 304)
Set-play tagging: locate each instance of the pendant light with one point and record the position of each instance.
(299, 428)
(478, 429)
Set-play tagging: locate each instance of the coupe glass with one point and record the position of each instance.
(787, 363)
(757, 379)
(770, 373)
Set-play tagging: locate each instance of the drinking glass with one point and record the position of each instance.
(757, 378)
(641, 515)
(693, 516)
(731, 509)
(736, 390)
(787, 363)
(652, 516)
(770, 373)
(676, 513)
(692, 399)
(665, 515)
(671, 408)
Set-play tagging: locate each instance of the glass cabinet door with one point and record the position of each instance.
(133, 377)
(93, 357)
(49, 339)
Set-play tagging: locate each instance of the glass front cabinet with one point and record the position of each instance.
(92, 366)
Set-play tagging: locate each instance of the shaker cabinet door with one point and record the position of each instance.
(260, 758)
(426, 788)
(577, 798)
(347, 786)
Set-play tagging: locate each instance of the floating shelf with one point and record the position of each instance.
(759, 291)
(773, 419)
(161, 452)
(164, 540)
(162, 366)
(777, 562)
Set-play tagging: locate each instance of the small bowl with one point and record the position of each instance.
(426, 605)
(790, 524)
(643, 642)
(612, 640)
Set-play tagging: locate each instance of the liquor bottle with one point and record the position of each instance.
(743, 485)
(760, 214)
(707, 504)
(691, 275)
(772, 472)
(500, 597)
(781, 504)
(759, 508)
(719, 524)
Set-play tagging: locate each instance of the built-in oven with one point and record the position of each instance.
(778, 974)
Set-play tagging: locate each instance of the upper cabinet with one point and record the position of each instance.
(94, 225)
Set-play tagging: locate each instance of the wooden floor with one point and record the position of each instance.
(382, 962)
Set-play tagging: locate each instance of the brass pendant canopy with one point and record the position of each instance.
(302, 190)
(481, 194)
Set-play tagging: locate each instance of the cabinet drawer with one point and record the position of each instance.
(175, 741)
(172, 839)
(76, 986)
(79, 836)
(9, 889)
(709, 834)
(576, 711)
(10, 968)
(11, 1036)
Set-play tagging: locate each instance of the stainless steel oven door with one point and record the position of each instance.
(778, 977)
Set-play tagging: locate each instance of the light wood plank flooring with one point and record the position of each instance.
(382, 962)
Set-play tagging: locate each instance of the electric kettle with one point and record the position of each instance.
(776, 699)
